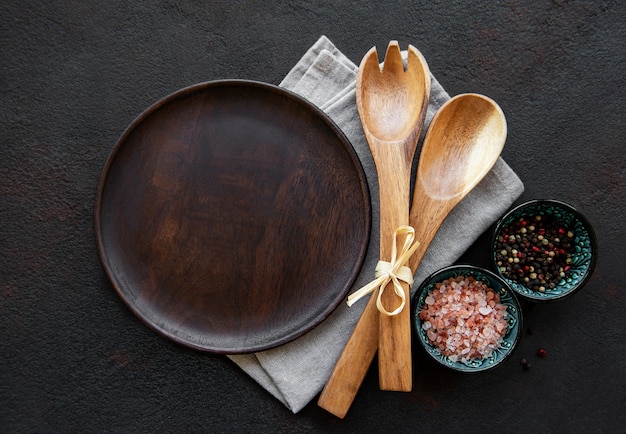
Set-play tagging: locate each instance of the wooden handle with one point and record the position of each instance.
(355, 360)
(394, 334)
(394, 347)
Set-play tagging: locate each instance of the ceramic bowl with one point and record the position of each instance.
(512, 331)
(581, 249)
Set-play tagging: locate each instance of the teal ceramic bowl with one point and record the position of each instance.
(532, 277)
(512, 331)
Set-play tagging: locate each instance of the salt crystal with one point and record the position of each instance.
(485, 310)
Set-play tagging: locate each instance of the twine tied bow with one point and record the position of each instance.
(392, 271)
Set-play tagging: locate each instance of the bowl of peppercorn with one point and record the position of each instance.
(466, 318)
(544, 249)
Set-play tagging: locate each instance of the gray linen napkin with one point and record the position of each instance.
(296, 372)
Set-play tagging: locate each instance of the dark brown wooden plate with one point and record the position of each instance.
(232, 216)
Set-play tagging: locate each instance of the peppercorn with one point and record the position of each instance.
(542, 353)
(535, 254)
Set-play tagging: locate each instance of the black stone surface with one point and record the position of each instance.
(74, 74)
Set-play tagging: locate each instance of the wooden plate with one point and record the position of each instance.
(232, 216)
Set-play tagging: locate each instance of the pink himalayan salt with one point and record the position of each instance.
(464, 318)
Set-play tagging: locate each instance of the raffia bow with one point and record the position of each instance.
(392, 271)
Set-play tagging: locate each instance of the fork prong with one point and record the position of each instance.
(415, 59)
(393, 58)
(370, 61)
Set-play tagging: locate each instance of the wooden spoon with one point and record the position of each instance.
(462, 143)
(392, 104)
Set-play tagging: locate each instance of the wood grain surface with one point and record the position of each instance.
(232, 216)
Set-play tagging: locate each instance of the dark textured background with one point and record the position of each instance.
(74, 74)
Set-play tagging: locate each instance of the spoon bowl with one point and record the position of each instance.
(463, 142)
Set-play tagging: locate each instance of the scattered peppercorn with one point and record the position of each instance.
(542, 353)
(535, 252)
(525, 363)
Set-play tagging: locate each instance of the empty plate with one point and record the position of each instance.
(232, 216)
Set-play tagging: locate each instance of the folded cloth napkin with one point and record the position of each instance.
(296, 372)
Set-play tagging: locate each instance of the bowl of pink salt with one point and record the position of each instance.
(467, 318)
